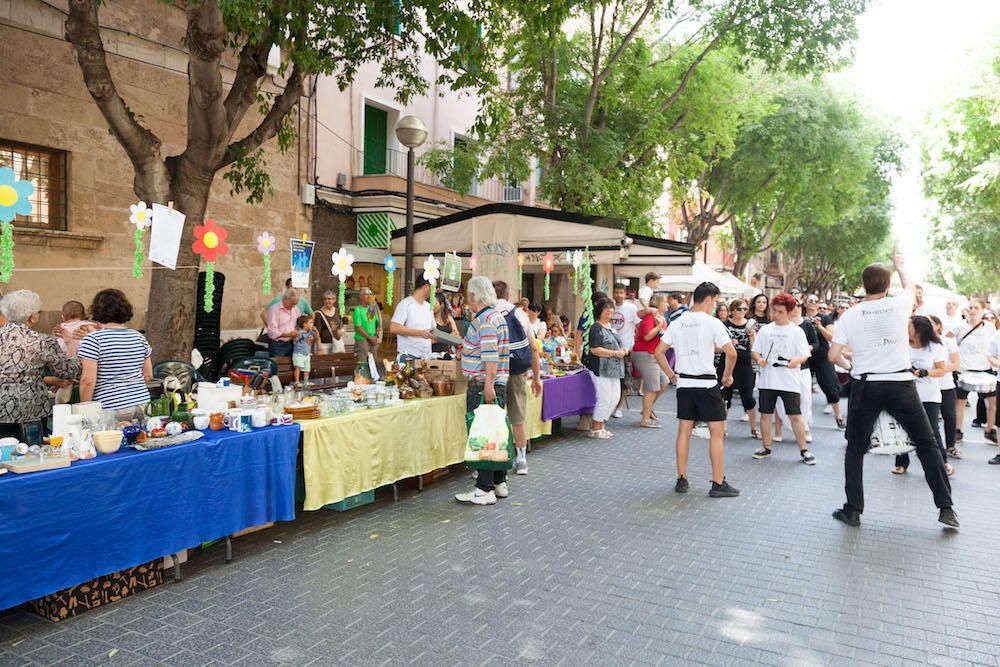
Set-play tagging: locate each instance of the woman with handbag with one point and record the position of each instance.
(330, 326)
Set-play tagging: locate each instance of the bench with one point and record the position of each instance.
(328, 370)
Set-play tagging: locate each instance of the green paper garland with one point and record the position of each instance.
(267, 274)
(341, 288)
(573, 278)
(433, 294)
(209, 286)
(137, 264)
(389, 275)
(520, 275)
(7, 252)
(588, 303)
(546, 286)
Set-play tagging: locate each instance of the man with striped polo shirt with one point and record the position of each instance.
(486, 366)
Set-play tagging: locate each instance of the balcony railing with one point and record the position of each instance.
(395, 165)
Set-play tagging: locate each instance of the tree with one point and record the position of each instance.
(615, 109)
(315, 38)
(962, 173)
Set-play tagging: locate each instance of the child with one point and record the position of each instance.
(72, 319)
(304, 346)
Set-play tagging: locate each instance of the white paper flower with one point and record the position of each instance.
(141, 216)
(432, 269)
(343, 264)
(577, 259)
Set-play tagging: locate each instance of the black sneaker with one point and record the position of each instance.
(762, 453)
(681, 486)
(807, 457)
(850, 517)
(959, 436)
(995, 461)
(723, 490)
(948, 517)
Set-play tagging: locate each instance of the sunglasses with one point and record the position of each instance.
(741, 308)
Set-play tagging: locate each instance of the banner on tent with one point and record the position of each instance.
(494, 246)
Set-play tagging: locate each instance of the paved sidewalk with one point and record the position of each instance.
(593, 560)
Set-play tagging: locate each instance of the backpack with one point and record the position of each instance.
(520, 352)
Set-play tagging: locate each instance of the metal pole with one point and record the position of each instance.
(408, 269)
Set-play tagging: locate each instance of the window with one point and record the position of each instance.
(46, 169)
(376, 140)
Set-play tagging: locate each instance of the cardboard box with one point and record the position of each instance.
(98, 592)
(451, 367)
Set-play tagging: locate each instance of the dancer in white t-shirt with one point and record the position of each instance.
(876, 332)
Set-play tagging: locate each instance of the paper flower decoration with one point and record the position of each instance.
(576, 259)
(473, 262)
(548, 263)
(210, 244)
(14, 195)
(140, 216)
(520, 273)
(390, 274)
(343, 267)
(14, 200)
(432, 271)
(265, 244)
(588, 304)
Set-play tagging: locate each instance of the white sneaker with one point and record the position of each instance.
(501, 490)
(828, 410)
(745, 417)
(475, 474)
(477, 497)
(777, 438)
(618, 414)
(809, 437)
(521, 466)
(701, 432)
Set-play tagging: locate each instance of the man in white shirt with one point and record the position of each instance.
(413, 323)
(952, 317)
(876, 331)
(694, 338)
(651, 281)
(780, 349)
(517, 397)
(624, 322)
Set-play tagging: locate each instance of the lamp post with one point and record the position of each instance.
(412, 133)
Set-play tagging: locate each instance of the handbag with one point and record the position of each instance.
(490, 444)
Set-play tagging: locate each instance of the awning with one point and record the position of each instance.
(646, 253)
(728, 284)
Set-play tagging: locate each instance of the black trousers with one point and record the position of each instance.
(743, 382)
(826, 378)
(933, 411)
(949, 416)
(900, 400)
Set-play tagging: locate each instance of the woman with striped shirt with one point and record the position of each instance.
(115, 360)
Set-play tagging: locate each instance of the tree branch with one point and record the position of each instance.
(251, 68)
(207, 123)
(271, 123)
(140, 144)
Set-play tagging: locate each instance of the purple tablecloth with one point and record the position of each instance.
(567, 396)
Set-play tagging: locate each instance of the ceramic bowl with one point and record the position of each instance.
(108, 442)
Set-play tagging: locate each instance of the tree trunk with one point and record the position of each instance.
(173, 294)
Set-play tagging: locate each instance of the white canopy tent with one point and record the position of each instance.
(730, 286)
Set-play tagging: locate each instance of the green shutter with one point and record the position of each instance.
(376, 128)
(374, 230)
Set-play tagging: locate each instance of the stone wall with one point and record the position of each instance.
(44, 102)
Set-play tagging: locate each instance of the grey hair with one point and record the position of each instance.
(20, 305)
(329, 293)
(656, 300)
(481, 291)
(291, 293)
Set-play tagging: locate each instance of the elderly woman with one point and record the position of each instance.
(606, 361)
(330, 326)
(115, 360)
(26, 357)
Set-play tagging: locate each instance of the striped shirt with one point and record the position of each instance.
(120, 355)
(486, 340)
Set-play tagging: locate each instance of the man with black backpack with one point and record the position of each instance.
(523, 355)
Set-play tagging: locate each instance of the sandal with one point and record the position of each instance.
(649, 425)
(899, 470)
(754, 434)
(948, 468)
(603, 434)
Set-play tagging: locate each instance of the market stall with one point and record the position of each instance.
(568, 396)
(350, 454)
(62, 527)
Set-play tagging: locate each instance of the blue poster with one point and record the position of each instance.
(302, 253)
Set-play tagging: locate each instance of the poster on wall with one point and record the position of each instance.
(165, 238)
(451, 275)
(302, 253)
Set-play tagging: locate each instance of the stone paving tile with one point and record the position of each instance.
(592, 561)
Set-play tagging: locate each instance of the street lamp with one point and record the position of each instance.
(412, 133)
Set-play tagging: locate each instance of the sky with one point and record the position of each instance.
(911, 57)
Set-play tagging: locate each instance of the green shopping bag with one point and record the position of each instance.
(490, 445)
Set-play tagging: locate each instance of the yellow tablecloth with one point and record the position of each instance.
(347, 455)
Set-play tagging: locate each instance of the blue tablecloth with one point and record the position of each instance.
(60, 528)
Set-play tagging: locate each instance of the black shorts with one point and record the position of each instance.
(962, 394)
(768, 400)
(701, 404)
